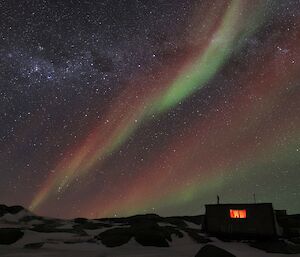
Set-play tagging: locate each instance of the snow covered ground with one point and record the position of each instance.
(57, 238)
(180, 248)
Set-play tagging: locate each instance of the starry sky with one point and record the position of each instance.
(115, 107)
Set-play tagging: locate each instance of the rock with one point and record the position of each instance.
(213, 251)
(83, 223)
(15, 209)
(10, 209)
(195, 235)
(91, 225)
(30, 218)
(34, 245)
(115, 237)
(198, 220)
(277, 246)
(290, 225)
(53, 227)
(146, 233)
(10, 235)
(46, 227)
(3, 209)
(175, 221)
(149, 233)
(151, 238)
(80, 220)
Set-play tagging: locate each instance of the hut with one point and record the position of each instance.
(241, 220)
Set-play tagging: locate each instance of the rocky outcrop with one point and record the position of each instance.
(213, 251)
(146, 233)
(10, 235)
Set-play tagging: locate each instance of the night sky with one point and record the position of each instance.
(118, 107)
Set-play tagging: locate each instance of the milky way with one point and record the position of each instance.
(110, 108)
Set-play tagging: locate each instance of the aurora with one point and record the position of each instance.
(192, 78)
(114, 109)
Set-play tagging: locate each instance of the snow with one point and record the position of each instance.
(73, 245)
(14, 218)
(95, 232)
(193, 225)
(243, 250)
(179, 248)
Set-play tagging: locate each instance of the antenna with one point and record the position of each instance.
(254, 197)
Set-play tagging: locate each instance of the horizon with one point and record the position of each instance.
(154, 213)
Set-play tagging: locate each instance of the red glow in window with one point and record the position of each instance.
(238, 214)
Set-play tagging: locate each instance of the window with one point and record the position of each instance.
(238, 214)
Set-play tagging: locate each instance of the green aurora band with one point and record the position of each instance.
(229, 36)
